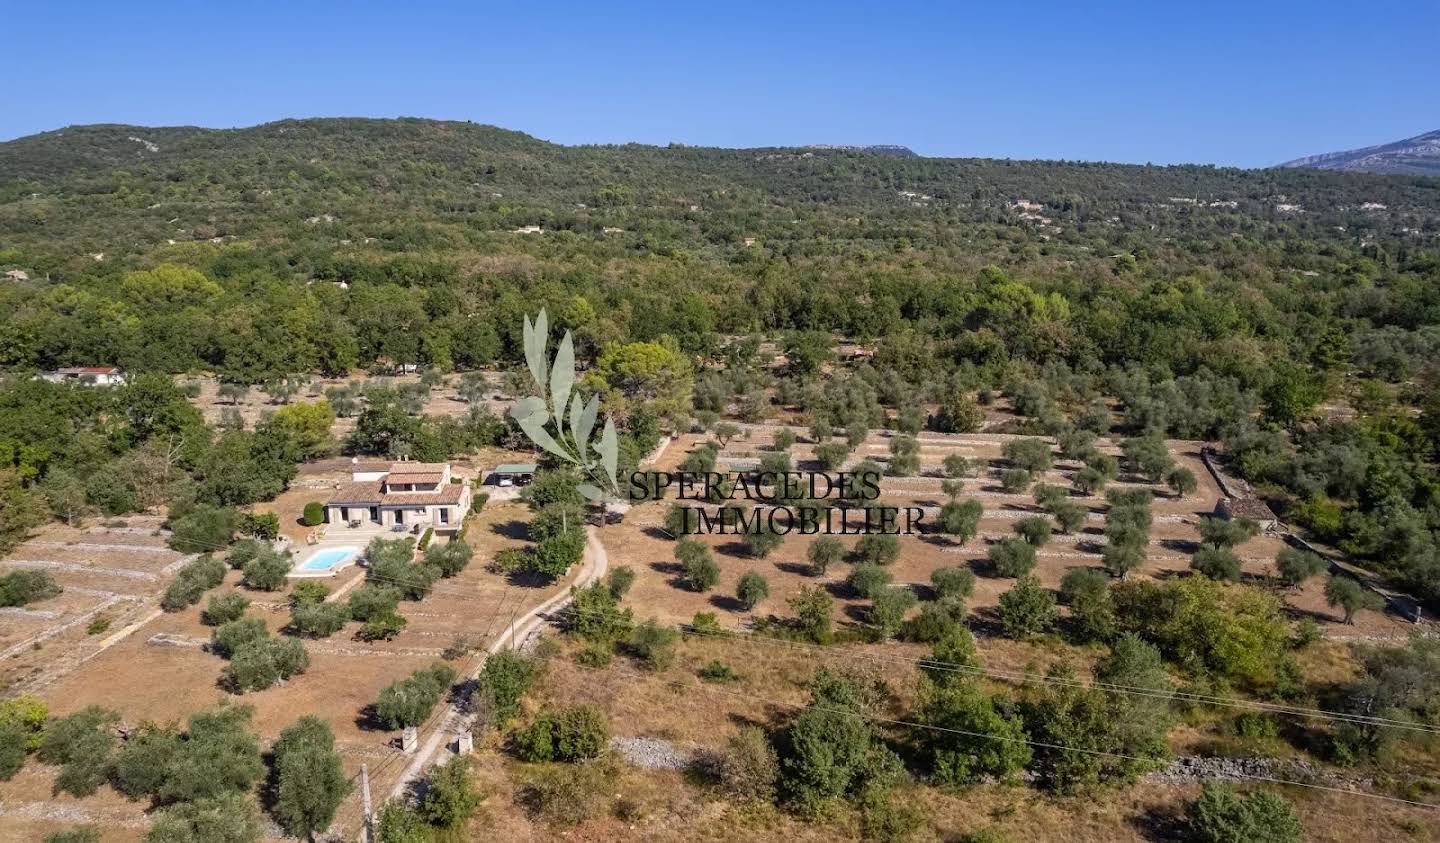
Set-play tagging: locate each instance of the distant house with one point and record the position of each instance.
(17, 275)
(407, 494)
(87, 375)
(1251, 509)
(528, 229)
(513, 474)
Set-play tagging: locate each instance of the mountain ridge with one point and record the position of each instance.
(1415, 156)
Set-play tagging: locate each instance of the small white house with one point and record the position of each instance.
(406, 494)
(87, 375)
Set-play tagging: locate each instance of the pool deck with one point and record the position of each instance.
(338, 536)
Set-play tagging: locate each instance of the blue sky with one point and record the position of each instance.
(1248, 84)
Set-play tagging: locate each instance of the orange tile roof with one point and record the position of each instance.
(360, 491)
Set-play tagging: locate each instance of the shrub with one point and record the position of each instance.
(256, 665)
(97, 626)
(449, 559)
(507, 677)
(1221, 815)
(935, 620)
(1012, 557)
(1217, 563)
(82, 745)
(228, 637)
(824, 551)
(266, 572)
(1034, 530)
(718, 671)
(372, 599)
(1027, 609)
(309, 781)
(568, 795)
(867, 580)
(21, 587)
(1031, 455)
(751, 589)
(450, 799)
(1087, 592)
(888, 608)
(747, 768)
(308, 593)
(381, 626)
(1069, 517)
(705, 623)
(140, 766)
(812, 607)
(241, 552)
(595, 615)
(1295, 566)
(1231, 633)
(961, 519)
(654, 645)
(1014, 480)
(314, 514)
(572, 734)
(229, 817)
(619, 581)
(203, 529)
(224, 608)
(409, 701)
(196, 578)
(877, 549)
(557, 554)
(832, 455)
(12, 749)
(319, 620)
(953, 582)
(701, 571)
(26, 716)
(972, 739)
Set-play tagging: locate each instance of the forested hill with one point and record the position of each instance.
(1116, 262)
(123, 189)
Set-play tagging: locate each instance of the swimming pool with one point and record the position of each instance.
(326, 562)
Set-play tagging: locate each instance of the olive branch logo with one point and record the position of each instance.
(598, 460)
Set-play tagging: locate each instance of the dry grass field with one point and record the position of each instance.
(697, 717)
(641, 543)
(148, 681)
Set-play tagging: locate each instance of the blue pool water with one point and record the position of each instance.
(333, 557)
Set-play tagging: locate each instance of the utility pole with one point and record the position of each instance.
(368, 833)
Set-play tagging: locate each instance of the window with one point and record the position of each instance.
(444, 515)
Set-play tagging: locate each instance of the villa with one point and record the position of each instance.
(87, 375)
(404, 494)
